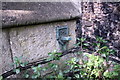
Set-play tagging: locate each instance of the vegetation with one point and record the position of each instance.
(94, 66)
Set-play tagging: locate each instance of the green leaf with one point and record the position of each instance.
(27, 75)
(98, 44)
(104, 41)
(78, 38)
(17, 71)
(34, 76)
(104, 47)
(86, 44)
(23, 65)
(39, 65)
(82, 39)
(96, 48)
(44, 69)
(71, 67)
(103, 55)
(49, 54)
(1, 78)
(33, 68)
(59, 54)
(77, 75)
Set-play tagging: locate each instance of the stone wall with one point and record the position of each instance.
(103, 20)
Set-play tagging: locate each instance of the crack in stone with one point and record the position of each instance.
(8, 36)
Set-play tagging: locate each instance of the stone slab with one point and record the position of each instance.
(34, 42)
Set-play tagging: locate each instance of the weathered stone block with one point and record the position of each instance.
(35, 42)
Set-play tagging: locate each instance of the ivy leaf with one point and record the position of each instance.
(50, 54)
(23, 65)
(96, 48)
(86, 44)
(59, 54)
(78, 39)
(26, 76)
(82, 39)
(104, 41)
(77, 75)
(44, 69)
(98, 44)
(103, 55)
(17, 71)
(104, 47)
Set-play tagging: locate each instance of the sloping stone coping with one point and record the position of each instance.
(15, 14)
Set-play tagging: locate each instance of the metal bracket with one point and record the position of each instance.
(62, 35)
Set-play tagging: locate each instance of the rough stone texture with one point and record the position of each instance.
(25, 13)
(103, 20)
(0, 51)
(5, 53)
(34, 42)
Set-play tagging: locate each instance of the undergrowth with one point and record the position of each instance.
(92, 66)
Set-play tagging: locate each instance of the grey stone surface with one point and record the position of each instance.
(34, 42)
(0, 50)
(5, 54)
(24, 13)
